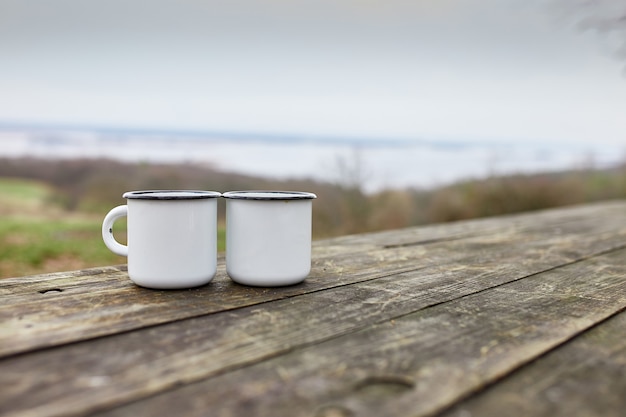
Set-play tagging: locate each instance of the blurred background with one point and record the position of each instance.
(396, 112)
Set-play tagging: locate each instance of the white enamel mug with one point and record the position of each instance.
(172, 237)
(268, 237)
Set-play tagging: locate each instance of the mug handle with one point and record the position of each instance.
(107, 230)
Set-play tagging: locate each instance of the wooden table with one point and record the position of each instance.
(512, 316)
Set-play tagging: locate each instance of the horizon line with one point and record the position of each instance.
(249, 136)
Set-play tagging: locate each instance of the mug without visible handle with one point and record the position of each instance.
(268, 237)
(172, 237)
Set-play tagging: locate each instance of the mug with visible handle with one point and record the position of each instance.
(172, 237)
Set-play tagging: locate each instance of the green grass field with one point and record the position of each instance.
(38, 236)
(53, 224)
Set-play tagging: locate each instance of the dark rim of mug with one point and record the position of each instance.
(269, 195)
(171, 195)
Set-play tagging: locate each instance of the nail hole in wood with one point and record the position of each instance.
(385, 384)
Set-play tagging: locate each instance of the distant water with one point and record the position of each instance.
(377, 165)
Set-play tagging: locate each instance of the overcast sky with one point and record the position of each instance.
(432, 69)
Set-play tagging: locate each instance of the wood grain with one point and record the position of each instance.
(407, 322)
(103, 301)
(586, 377)
(423, 362)
(144, 362)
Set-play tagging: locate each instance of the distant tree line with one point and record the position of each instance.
(96, 185)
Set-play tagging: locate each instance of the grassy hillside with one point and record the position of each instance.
(51, 211)
(38, 235)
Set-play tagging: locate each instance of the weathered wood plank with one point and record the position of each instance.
(144, 362)
(586, 377)
(87, 279)
(128, 306)
(534, 220)
(552, 220)
(423, 362)
(108, 302)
